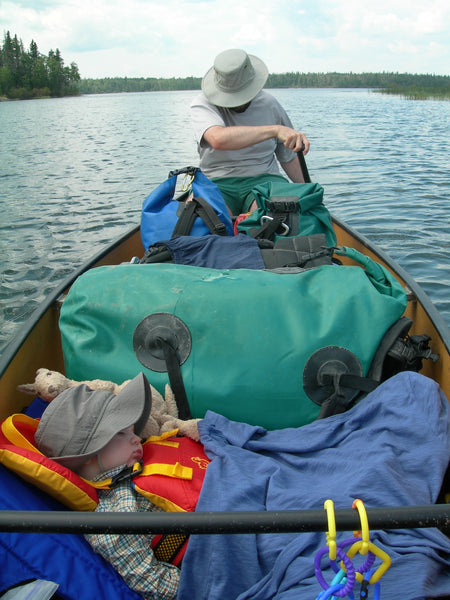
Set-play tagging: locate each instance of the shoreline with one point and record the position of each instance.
(409, 93)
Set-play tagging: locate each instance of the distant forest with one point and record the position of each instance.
(26, 74)
(396, 83)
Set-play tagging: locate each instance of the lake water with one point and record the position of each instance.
(75, 171)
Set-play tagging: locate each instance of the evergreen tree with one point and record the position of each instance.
(29, 74)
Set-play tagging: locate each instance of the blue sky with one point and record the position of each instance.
(165, 38)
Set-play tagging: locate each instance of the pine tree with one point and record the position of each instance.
(31, 74)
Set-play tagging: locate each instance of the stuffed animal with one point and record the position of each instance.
(163, 417)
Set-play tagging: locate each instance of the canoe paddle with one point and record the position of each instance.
(303, 166)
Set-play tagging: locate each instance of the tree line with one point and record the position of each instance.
(391, 82)
(28, 74)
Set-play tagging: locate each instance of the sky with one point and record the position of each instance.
(180, 38)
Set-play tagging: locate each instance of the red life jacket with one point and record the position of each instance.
(171, 477)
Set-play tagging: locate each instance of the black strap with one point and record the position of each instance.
(185, 220)
(209, 216)
(175, 378)
(198, 207)
(337, 403)
(269, 228)
(156, 254)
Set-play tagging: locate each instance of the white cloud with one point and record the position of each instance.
(165, 38)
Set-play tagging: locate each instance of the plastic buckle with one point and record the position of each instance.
(127, 473)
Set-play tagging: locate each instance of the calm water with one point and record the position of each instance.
(75, 171)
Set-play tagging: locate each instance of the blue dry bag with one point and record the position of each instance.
(164, 216)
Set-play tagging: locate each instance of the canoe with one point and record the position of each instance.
(38, 343)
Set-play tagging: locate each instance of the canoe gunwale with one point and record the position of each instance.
(237, 522)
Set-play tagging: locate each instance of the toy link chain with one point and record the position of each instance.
(346, 574)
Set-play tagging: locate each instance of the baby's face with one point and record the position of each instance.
(124, 448)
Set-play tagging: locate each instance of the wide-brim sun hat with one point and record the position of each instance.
(79, 422)
(235, 78)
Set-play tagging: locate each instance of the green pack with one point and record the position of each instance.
(288, 210)
(243, 336)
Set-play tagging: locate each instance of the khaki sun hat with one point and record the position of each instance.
(79, 422)
(235, 79)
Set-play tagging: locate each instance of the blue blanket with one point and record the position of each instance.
(391, 449)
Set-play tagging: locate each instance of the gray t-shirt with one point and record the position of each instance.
(247, 162)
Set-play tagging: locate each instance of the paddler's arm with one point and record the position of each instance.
(243, 136)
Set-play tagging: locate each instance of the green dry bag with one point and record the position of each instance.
(243, 337)
(288, 210)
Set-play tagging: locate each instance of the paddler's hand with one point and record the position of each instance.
(295, 140)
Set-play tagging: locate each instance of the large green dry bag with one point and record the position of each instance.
(243, 336)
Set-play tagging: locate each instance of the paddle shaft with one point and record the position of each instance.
(303, 166)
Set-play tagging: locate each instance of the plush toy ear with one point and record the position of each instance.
(27, 388)
(151, 428)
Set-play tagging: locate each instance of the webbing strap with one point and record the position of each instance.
(176, 471)
(175, 378)
(198, 207)
(185, 220)
(269, 228)
(337, 403)
(209, 216)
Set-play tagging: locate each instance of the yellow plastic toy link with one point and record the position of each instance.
(364, 533)
(331, 533)
(385, 558)
(364, 546)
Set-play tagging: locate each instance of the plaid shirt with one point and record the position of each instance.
(131, 554)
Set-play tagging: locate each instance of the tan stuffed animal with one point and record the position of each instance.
(163, 417)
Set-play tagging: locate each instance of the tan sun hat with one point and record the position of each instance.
(235, 79)
(79, 422)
